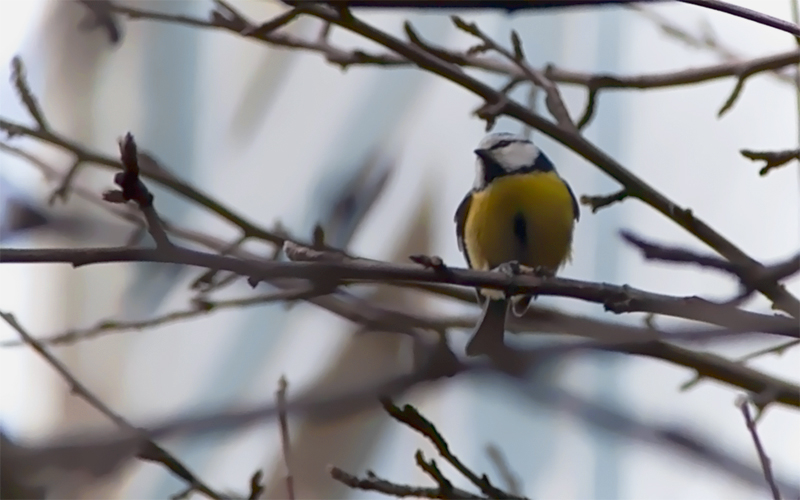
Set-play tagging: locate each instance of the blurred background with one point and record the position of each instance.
(381, 158)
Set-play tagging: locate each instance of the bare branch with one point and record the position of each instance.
(773, 159)
(776, 349)
(62, 191)
(19, 79)
(653, 251)
(374, 483)
(591, 106)
(409, 416)
(200, 308)
(429, 467)
(256, 485)
(749, 14)
(133, 189)
(511, 479)
(762, 455)
(598, 202)
(283, 421)
(148, 450)
(164, 178)
(555, 104)
(272, 25)
(774, 273)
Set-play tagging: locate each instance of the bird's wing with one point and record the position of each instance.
(575, 207)
(461, 220)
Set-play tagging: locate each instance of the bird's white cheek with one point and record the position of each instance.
(478, 175)
(512, 158)
(517, 155)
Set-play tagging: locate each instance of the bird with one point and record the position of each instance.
(519, 212)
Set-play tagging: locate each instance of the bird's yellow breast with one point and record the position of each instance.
(524, 217)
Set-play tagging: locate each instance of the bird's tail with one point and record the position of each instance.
(488, 336)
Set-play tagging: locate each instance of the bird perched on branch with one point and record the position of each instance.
(518, 213)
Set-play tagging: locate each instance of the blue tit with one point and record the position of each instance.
(518, 211)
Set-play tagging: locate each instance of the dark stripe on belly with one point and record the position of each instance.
(521, 229)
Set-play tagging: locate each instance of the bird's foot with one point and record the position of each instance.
(543, 272)
(511, 268)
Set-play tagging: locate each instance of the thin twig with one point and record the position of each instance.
(773, 159)
(749, 14)
(706, 39)
(62, 191)
(409, 416)
(100, 15)
(133, 189)
(654, 251)
(283, 421)
(149, 450)
(795, 6)
(762, 455)
(273, 24)
(602, 201)
(19, 79)
(429, 467)
(164, 178)
(776, 349)
(256, 485)
(775, 273)
(555, 104)
(200, 308)
(511, 479)
(374, 483)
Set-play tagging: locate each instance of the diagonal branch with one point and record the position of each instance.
(374, 483)
(18, 78)
(762, 455)
(555, 104)
(409, 416)
(199, 308)
(159, 175)
(283, 423)
(149, 450)
(749, 14)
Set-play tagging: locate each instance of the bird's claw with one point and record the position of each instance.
(511, 268)
(543, 272)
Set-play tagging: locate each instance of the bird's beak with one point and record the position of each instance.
(483, 154)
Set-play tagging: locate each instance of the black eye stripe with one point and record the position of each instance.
(499, 145)
(507, 142)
